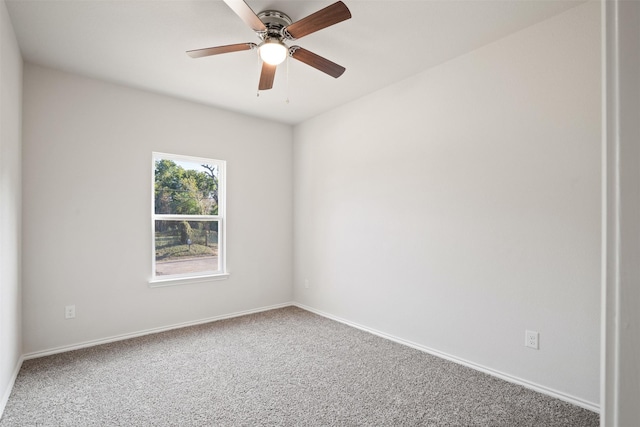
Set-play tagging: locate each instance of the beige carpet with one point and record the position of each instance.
(285, 367)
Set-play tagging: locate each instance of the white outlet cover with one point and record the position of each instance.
(531, 339)
(70, 312)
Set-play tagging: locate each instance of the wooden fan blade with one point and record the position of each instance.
(323, 18)
(266, 76)
(246, 14)
(317, 61)
(198, 53)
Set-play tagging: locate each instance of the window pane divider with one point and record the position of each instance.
(176, 217)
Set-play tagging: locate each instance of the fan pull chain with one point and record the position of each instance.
(260, 68)
(287, 100)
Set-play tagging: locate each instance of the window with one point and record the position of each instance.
(188, 209)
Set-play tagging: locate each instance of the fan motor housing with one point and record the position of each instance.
(275, 21)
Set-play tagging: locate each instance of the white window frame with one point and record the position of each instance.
(178, 279)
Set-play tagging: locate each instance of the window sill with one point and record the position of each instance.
(175, 281)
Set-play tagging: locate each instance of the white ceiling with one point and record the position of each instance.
(142, 43)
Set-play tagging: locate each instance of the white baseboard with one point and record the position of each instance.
(114, 338)
(510, 378)
(7, 392)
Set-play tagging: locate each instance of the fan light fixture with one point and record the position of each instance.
(273, 52)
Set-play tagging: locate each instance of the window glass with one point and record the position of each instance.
(187, 216)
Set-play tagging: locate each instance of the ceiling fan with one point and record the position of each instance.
(273, 28)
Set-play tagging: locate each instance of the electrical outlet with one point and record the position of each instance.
(306, 283)
(70, 312)
(531, 339)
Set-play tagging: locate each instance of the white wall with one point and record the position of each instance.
(460, 207)
(87, 170)
(10, 205)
